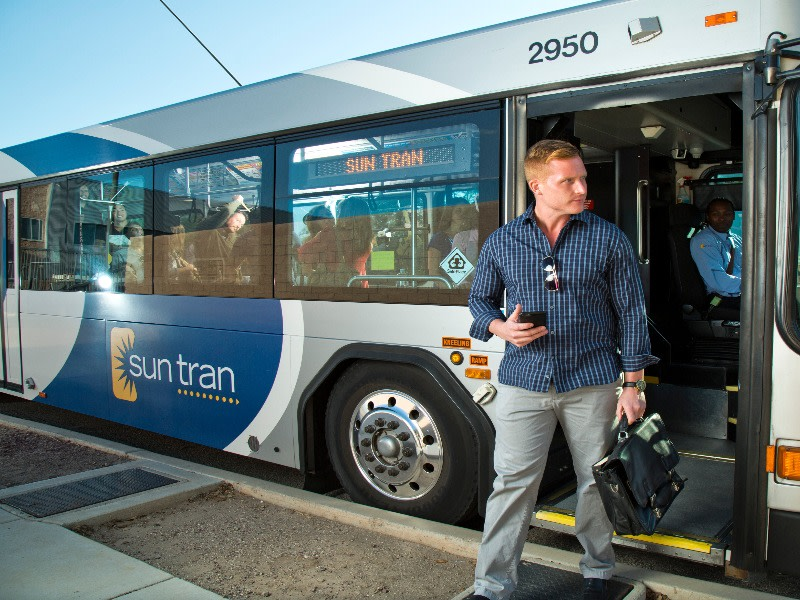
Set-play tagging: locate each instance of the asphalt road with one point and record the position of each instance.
(775, 583)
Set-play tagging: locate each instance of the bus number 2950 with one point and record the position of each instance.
(554, 49)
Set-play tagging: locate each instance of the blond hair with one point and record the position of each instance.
(542, 152)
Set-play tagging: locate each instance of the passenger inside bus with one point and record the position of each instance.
(465, 224)
(217, 260)
(181, 255)
(354, 239)
(441, 241)
(318, 256)
(718, 255)
(218, 218)
(134, 259)
(118, 243)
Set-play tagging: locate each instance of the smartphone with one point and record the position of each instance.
(539, 319)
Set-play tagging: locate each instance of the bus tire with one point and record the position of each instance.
(397, 442)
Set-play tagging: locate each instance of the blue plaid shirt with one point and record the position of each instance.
(596, 320)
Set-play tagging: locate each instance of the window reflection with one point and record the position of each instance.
(383, 240)
(214, 229)
(95, 235)
(396, 214)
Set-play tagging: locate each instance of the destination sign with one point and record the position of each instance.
(386, 161)
(446, 153)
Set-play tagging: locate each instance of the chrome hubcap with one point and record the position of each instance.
(396, 445)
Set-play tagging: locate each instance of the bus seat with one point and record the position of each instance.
(684, 220)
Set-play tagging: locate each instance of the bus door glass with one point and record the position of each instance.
(9, 290)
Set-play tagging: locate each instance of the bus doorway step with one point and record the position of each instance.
(540, 582)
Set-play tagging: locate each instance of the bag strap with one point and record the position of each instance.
(623, 427)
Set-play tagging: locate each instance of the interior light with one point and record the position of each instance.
(696, 151)
(652, 132)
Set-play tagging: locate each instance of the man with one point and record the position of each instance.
(718, 255)
(219, 217)
(318, 255)
(581, 271)
(216, 252)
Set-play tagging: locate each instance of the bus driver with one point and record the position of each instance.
(718, 255)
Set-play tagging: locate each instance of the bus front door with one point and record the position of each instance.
(9, 296)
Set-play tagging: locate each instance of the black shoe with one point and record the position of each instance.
(476, 597)
(595, 589)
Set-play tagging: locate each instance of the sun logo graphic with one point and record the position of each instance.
(122, 339)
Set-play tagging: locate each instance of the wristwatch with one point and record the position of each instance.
(639, 385)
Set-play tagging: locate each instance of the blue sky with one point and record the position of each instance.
(68, 64)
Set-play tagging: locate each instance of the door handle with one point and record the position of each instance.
(641, 206)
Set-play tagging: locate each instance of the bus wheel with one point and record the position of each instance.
(398, 443)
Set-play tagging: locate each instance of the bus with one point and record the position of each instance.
(281, 270)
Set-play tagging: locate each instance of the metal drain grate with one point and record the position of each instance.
(69, 496)
(537, 582)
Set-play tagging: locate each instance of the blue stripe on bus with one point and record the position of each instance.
(68, 151)
(202, 380)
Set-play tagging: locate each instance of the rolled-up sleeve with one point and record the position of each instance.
(486, 294)
(627, 299)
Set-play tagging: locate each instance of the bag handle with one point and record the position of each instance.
(623, 427)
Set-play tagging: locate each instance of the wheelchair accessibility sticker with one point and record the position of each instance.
(457, 266)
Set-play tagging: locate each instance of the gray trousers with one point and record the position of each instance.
(524, 424)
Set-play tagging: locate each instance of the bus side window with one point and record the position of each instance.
(214, 234)
(392, 186)
(45, 263)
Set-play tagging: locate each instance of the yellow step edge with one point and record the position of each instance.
(657, 538)
(731, 388)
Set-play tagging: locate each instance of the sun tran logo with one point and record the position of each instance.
(198, 380)
(123, 386)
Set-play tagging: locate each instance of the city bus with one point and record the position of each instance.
(282, 270)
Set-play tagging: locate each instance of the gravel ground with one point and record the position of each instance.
(241, 547)
(26, 456)
(244, 548)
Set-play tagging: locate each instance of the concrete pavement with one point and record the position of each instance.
(41, 559)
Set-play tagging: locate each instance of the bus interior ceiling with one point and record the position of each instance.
(693, 386)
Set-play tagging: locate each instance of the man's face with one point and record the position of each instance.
(119, 214)
(234, 223)
(561, 187)
(719, 215)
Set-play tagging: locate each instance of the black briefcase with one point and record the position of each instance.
(637, 479)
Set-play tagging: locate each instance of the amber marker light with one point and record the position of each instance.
(788, 463)
(473, 373)
(42, 395)
(456, 358)
(770, 459)
(725, 18)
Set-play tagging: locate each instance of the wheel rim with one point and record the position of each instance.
(396, 445)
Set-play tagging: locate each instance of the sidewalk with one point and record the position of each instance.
(41, 559)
